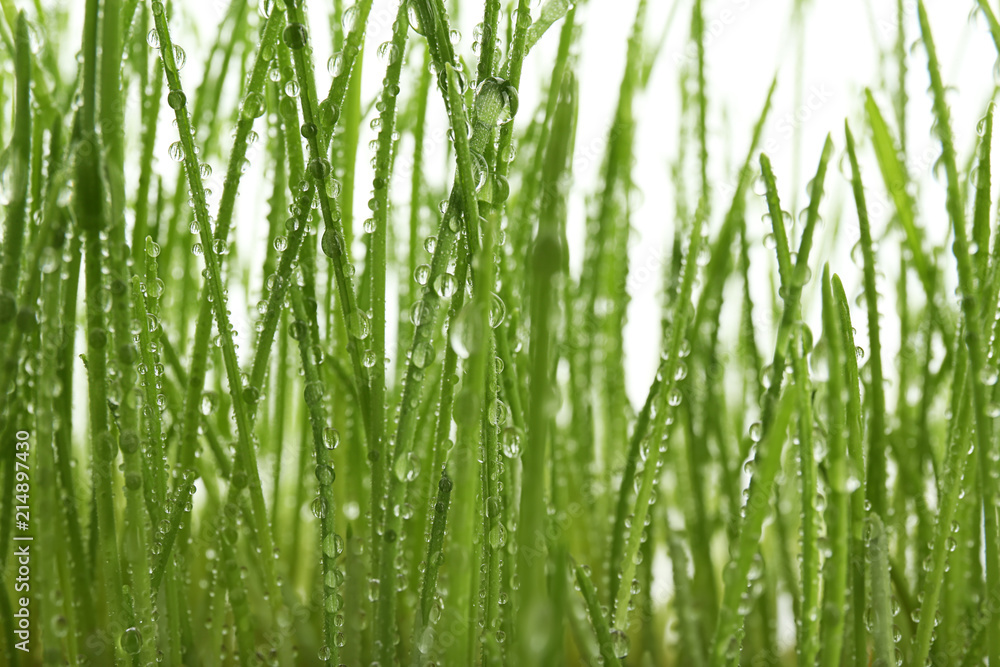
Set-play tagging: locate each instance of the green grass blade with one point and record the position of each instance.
(971, 310)
(315, 117)
(246, 456)
(855, 449)
(729, 631)
(668, 401)
(546, 266)
(983, 203)
(331, 544)
(949, 491)
(881, 599)
(766, 463)
(835, 567)
(807, 645)
(896, 181)
(15, 176)
(423, 630)
(876, 475)
(608, 640)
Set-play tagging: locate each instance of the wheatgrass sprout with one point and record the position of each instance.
(317, 319)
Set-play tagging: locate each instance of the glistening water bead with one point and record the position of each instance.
(331, 438)
(254, 105)
(176, 99)
(296, 35)
(131, 641)
(319, 168)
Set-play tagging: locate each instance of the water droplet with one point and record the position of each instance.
(620, 643)
(176, 99)
(328, 114)
(423, 354)
(675, 397)
(131, 641)
(333, 545)
(421, 274)
(335, 65)
(498, 310)
(209, 402)
(180, 58)
(298, 330)
(176, 151)
(504, 93)
(445, 285)
(296, 35)
(318, 508)
(331, 437)
(359, 325)
(60, 626)
(510, 442)
(498, 413)
(419, 313)
(498, 536)
(319, 168)
(325, 474)
(406, 467)
(413, 14)
(314, 392)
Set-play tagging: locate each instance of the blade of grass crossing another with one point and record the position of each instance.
(331, 544)
(973, 337)
(949, 491)
(378, 237)
(605, 639)
(296, 38)
(246, 456)
(668, 401)
(729, 630)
